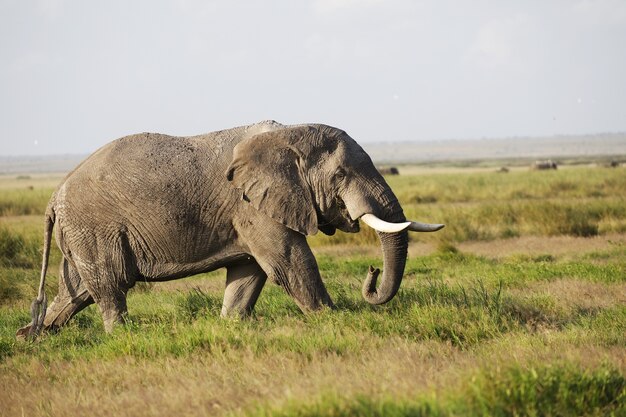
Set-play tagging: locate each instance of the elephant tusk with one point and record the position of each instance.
(425, 227)
(387, 227)
(383, 226)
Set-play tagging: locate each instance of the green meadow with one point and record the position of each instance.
(516, 308)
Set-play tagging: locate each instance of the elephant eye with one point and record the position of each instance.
(340, 174)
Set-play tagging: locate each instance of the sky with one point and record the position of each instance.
(75, 74)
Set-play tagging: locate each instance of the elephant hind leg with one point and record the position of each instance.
(114, 310)
(71, 299)
(108, 278)
(243, 286)
(110, 298)
(108, 295)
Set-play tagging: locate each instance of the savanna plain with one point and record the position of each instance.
(517, 307)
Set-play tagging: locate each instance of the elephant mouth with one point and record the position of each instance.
(345, 222)
(345, 225)
(353, 225)
(340, 220)
(327, 229)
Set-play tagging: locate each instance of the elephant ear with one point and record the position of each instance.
(269, 170)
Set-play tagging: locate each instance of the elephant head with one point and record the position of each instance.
(316, 177)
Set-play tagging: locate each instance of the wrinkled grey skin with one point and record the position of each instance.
(152, 207)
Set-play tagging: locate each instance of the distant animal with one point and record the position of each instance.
(388, 170)
(543, 165)
(614, 164)
(503, 170)
(152, 207)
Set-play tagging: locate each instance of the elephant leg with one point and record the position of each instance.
(111, 299)
(113, 309)
(71, 299)
(243, 286)
(285, 256)
(109, 279)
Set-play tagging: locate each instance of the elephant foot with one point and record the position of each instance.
(112, 319)
(22, 334)
(114, 315)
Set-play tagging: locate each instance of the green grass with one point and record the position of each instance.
(508, 334)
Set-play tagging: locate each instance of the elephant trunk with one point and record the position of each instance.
(382, 211)
(394, 246)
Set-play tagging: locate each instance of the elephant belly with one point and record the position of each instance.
(182, 252)
(159, 247)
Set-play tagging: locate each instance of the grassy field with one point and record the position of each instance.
(517, 307)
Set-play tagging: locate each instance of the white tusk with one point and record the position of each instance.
(383, 226)
(425, 227)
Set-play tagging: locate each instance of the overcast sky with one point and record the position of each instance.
(77, 74)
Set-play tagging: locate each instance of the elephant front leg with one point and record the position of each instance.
(285, 255)
(243, 286)
(300, 277)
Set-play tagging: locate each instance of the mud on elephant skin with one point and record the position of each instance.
(154, 207)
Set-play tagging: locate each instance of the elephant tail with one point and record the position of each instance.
(39, 305)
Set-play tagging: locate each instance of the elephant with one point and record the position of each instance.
(152, 207)
(543, 165)
(388, 170)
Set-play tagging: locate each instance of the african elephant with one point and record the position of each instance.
(388, 170)
(153, 207)
(543, 165)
